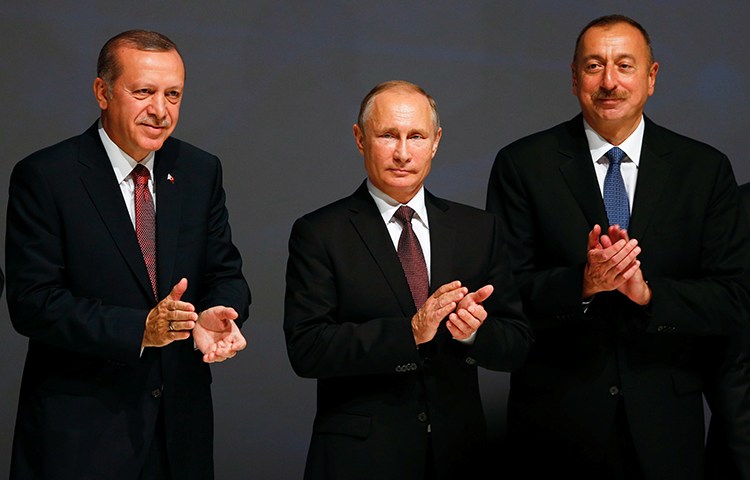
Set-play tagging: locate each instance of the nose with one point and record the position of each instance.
(402, 153)
(609, 77)
(158, 106)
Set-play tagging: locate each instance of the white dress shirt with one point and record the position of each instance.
(629, 167)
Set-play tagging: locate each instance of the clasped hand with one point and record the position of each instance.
(214, 331)
(612, 264)
(464, 311)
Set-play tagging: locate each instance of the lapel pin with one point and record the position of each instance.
(170, 178)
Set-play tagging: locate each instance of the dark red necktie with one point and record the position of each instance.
(145, 222)
(411, 257)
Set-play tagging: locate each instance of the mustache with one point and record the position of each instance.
(602, 94)
(153, 121)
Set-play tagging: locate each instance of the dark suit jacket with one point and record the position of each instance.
(78, 288)
(347, 323)
(728, 395)
(687, 218)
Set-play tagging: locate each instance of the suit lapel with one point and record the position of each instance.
(578, 172)
(442, 242)
(368, 223)
(169, 187)
(100, 182)
(653, 171)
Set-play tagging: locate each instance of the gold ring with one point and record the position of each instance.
(171, 327)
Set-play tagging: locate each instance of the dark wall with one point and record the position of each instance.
(273, 88)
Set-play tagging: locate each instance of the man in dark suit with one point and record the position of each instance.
(123, 309)
(728, 395)
(624, 308)
(398, 394)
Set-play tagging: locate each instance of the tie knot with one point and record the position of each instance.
(404, 214)
(615, 155)
(140, 175)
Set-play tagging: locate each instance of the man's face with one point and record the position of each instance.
(141, 108)
(398, 142)
(613, 77)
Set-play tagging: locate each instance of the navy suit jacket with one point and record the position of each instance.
(79, 290)
(695, 245)
(348, 324)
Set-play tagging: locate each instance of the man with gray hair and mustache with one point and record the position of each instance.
(124, 309)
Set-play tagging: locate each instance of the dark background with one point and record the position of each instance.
(273, 89)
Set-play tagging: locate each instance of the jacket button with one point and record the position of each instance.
(422, 417)
(470, 361)
(614, 391)
(156, 393)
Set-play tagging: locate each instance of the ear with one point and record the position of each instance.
(359, 138)
(435, 144)
(652, 78)
(575, 78)
(100, 93)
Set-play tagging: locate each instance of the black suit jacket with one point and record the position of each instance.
(347, 323)
(728, 395)
(78, 288)
(694, 236)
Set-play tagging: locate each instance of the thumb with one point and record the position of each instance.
(483, 293)
(179, 289)
(227, 313)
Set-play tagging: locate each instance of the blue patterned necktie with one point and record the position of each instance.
(615, 196)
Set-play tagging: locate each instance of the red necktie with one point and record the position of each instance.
(145, 222)
(411, 257)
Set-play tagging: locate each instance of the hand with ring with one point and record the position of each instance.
(170, 320)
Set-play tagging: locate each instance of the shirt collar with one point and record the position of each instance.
(631, 146)
(122, 163)
(388, 206)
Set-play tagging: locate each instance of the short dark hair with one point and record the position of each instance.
(607, 20)
(366, 105)
(108, 67)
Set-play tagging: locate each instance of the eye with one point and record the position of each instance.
(174, 96)
(592, 66)
(142, 93)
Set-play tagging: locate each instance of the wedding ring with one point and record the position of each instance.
(171, 327)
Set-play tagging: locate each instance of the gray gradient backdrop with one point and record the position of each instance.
(273, 89)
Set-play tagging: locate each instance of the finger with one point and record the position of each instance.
(594, 237)
(454, 330)
(177, 336)
(179, 305)
(182, 316)
(448, 287)
(238, 342)
(618, 233)
(627, 253)
(452, 296)
(175, 325)
(438, 315)
(464, 322)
